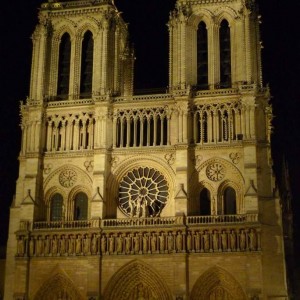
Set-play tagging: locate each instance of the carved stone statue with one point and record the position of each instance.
(31, 247)
(127, 244)
(242, 240)
(54, 245)
(232, 240)
(252, 240)
(103, 244)
(145, 243)
(170, 240)
(136, 241)
(224, 240)
(206, 241)
(86, 244)
(153, 242)
(78, 245)
(179, 242)
(111, 241)
(94, 244)
(189, 241)
(215, 241)
(119, 244)
(197, 242)
(161, 242)
(62, 245)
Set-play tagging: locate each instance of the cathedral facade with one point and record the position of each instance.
(156, 196)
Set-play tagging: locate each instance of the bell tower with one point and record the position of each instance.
(214, 45)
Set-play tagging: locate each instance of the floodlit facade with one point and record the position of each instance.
(160, 196)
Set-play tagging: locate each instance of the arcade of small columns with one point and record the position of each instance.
(218, 122)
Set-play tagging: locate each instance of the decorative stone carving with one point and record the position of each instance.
(129, 243)
(67, 178)
(235, 157)
(114, 161)
(215, 171)
(143, 192)
(89, 165)
(48, 168)
(170, 158)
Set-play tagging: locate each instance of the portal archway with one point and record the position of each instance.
(58, 287)
(217, 284)
(136, 281)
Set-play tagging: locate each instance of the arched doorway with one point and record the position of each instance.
(217, 284)
(58, 287)
(136, 281)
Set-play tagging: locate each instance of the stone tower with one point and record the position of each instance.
(160, 196)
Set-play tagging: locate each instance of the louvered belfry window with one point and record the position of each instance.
(202, 56)
(64, 67)
(86, 78)
(225, 55)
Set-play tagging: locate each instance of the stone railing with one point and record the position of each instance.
(141, 222)
(66, 225)
(222, 219)
(216, 92)
(225, 233)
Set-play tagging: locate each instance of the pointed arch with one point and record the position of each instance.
(87, 60)
(230, 197)
(137, 279)
(78, 203)
(225, 54)
(202, 56)
(57, 287)
(217, 282)
(64, 65)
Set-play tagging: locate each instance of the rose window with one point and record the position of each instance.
(215, 171)
(67, 178)
(143, 192)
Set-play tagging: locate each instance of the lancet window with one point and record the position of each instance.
(87, 53)
(56, 207)
(217, 123)
(72, 132)
(81, 206)
(64, 67)
(229, 201)
(138, 128)
(202, 56)
(225, 55)
(205, 203)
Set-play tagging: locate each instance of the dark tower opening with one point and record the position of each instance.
(202, 56)
(64, 67)
(225, 55)
(86, 79)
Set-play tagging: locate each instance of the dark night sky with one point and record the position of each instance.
(147, 25)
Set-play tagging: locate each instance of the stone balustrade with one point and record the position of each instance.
(222, 219)
(131, 236)
(132, 242)
(66, 224)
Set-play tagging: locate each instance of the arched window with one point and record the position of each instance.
(225, 55)
(80, 206)
(56, 207)
(202, 56)
(205, 209)
(87, 52)
(229, 203)
(64, 67)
